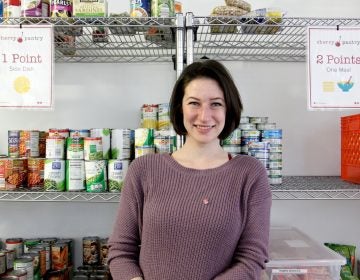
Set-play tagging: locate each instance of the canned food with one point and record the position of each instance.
(54, 175)
(259, 145)
(29, 143)
(234, 138)
(121, 143)
(275, 164)
(250, 133)
(149, 116)
(244, 119)
(265, 162)
(259, 153)
(27, 264)
(275, 156)
(275, 148)
(56, 274)
(276, 141)
(15, 244)
(271, 134)
(2, 174)
(2, 263)
(46, 247)
(247, 126)
(144, 150)
(75, 175)
(15, 173)
(117, 171)
(93, 148)
(275, 172)
(59, 256)
(31, 8)
(80, 133)
(248, 140)
(42, 143)
(9, 259)
(28, 243)
(35, 257)
(104, 251)
(104, 133)
(50, 240)
(140, 8)
(59, 132)
(17, 274)
(55, 147)
(263, 126)
(257, 120)
(69, 243)
(91, 254)
(13, 143)
(11, 8)
(75, 147)
(35, 175)
(163, 117)
(144, 137)
(164, 144)
(95, 176)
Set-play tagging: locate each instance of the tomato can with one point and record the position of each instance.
(27, 264)
(29, 143)
(93, 148)
(54, 175)
(59, 256)
(75, 175)
(13, 143)
(35, 174)
(55, 147)
(117, 171)
(15, 173)
(91, 253)
(121, 143)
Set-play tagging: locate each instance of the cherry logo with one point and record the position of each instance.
(20, 39)
(337, 43)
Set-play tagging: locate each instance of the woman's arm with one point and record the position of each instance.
(125, 239)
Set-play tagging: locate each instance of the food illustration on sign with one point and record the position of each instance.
(345, 86)
(21, 84)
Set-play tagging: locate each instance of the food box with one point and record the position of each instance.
(89, 8)
(294, 255)
(262, 21)
(350, 148)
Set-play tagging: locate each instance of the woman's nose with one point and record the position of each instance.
(204, 112)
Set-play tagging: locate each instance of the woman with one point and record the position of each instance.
(199, 213)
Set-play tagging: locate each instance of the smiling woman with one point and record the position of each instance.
(197, 213)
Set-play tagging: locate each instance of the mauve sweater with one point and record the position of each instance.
(191, 224)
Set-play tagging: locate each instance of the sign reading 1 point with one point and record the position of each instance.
(26, 67)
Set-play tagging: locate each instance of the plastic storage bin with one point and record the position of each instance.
(293, 255)
(350, 148)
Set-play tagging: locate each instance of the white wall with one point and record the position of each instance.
(110, 95)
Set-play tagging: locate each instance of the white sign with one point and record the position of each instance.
(333, 62)
(26, 66)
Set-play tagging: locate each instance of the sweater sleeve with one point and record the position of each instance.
(125, 239)
(252, 250)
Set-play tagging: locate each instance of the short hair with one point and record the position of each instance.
(216, 71)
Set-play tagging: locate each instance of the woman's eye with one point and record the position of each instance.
(216, 104)
(193, 103)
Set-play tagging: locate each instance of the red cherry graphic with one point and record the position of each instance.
(20, 40)
(337, 44)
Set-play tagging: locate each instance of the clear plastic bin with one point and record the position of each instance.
(293, 255)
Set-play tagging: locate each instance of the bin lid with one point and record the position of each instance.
(289, 247)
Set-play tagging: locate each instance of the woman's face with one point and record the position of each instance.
(204, 110)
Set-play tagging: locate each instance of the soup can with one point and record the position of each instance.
(70, 244)
(47, 248)
(54, 175)
(95, 176)
(117, 171)
(91, 253)
(13, 143)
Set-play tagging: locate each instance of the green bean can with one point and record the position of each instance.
(54, 175)
(95, 176)
(117, 171)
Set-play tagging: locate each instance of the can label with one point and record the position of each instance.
(79, 132)
(121, 143)
(163, 117)
(16, 245)
(42, 259)
(104, 250)
(2, 174)
(93, 148)
(9, 259)
(59, 132)
(31, 8)
(91, 254)
(263, 126)
(272, 134)
(61, 8)
(140, 8)
(54, 175)
(2, 263)
(29, 143)
(75, 148)
(13, 143)
(149, 116)
(162, 8)
(234, 138)
(104, 133)
(11, 8)
(144, 150)
(232, 149)
(75, 175)
(15, 173)
(117, 171)
(144, 137)
(247, 126)
(250, 133)
(258, 120)
(55, 147)
(59, 256)
(164, 144)
(27, 264)
(42, 143)
(35, 175)
(95, 176)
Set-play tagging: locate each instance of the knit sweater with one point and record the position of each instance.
(179, 223)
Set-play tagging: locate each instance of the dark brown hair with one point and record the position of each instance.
(214, 70)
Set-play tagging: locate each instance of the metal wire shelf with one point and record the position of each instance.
(253, 39)
(293, 188)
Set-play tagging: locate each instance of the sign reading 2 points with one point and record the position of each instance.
(26, 67)
(333, 60)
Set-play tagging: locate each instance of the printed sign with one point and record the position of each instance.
(26, 66)
(333, 61)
